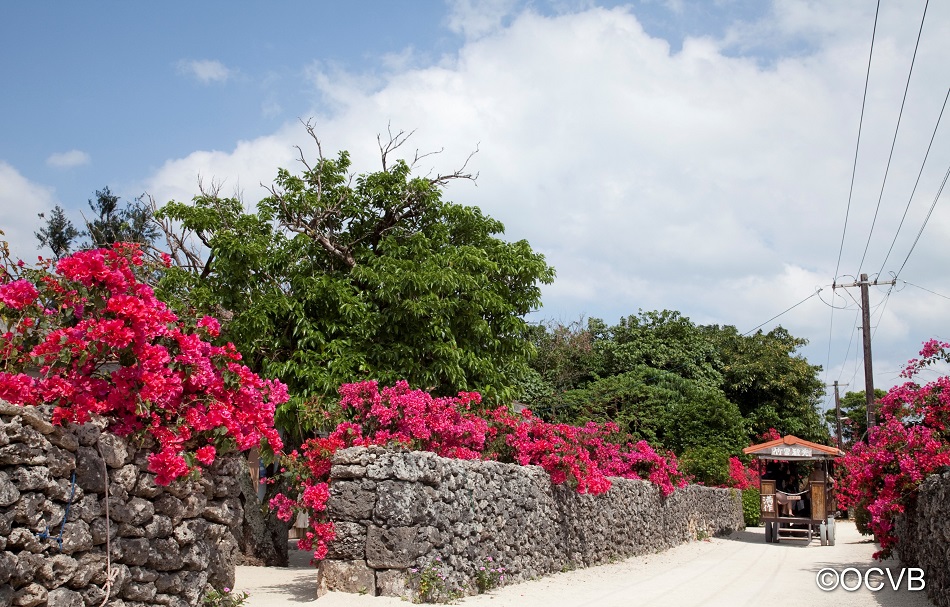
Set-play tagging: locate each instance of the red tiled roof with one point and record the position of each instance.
(792, 441)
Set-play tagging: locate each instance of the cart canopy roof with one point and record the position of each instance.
(792, 448)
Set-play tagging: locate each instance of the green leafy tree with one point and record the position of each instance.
(58, 233)
(773, 386)
(335, 280)
(854, 414)
(113, 222)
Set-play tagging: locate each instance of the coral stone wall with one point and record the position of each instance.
(167, 545)
(399, 511)
(924, 536)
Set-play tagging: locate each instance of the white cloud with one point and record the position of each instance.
(699, 181)
(205, 71)
(20, 202)
(477, 18)
(67, 160)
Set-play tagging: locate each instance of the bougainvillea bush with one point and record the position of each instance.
(88, 337)
(457, 427)
(911, 441)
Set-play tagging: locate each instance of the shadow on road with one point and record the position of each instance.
(298, 591)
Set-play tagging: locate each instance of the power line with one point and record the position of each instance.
(854, 168)
(926, 219)
(923, 289)
(897, 128)
(914, 190)
(782, 313)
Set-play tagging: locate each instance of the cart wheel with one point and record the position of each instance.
(768, 532)
(823, 534)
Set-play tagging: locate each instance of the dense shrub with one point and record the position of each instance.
(456, 427)
(751, 507)
(89, 338)
(911, 441)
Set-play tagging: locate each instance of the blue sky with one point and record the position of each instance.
(675, 154)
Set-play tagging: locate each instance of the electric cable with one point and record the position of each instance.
(923, 289)
(917, 182)
(897, 129)
(926, 220)
(857, 147)
(782, 313)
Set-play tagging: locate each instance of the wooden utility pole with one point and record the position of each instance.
(838, 412)
(863, 284)
(866, 332)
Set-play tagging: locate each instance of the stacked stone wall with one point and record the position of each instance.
(166, 546)
(924, 536)
(398, 513)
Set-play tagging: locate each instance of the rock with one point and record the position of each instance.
(98, 531)
(160, 526)
(164, 555)
(8, 563)
(133, 551)
(170, 506)
(18, 454)
(350, 502)
(146, 487)
(394, 548)
(139, 591)
(64, 439)
(225, 511)
(222, 561)
(89, 470)
(31, 478)
(345, 576)
(77, 537)
(60, 461)
(114, 450)
(88, 508)
(58, 570)
(9, 493)
(136, 512)
(30, 595)
(23, 539)
(189, 531)
(393, 582)
(196, 556)
(87, 566)
(402, 504)
(350, 542)
(64, 597)
(344, 472)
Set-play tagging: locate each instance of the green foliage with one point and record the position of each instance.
(751, 507)
(333, 281)
(111, 223)
(704, 392)
(489, 575)
(58, 233)
(862, 518)
(773, 386)
(223, 598)
(854, 414)
(708, 465)
(431, 585)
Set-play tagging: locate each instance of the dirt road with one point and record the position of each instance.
(734, 571)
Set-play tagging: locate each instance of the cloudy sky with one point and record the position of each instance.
(662, 154)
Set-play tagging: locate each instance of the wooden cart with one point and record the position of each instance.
(817, 518)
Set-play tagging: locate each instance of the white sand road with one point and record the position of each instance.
(731, 571)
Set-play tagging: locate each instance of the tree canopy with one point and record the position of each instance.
(110, 222)
(337, 279)
(702, 391)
